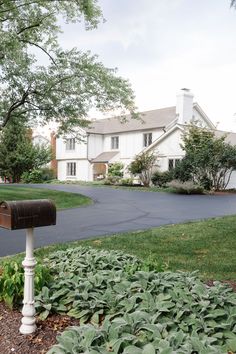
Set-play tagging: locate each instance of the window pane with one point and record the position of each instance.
(71, 169)
(115, 142)
(70, 144)
(147, 139)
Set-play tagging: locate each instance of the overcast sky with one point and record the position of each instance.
(162, 46)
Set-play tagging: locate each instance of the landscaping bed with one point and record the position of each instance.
(124, 306)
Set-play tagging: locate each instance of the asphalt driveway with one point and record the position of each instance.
(117, 211)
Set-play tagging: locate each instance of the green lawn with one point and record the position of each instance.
(208, 246)
(62, 200)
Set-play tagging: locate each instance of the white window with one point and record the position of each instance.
(70, 144)
(71, 169)
(172, 163)
(147, 139)
(114, 142)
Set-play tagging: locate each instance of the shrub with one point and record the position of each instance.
(34, 176)
(160, 179)
(187, 187)
(112, 180)
(126, 181)
(12, 281)
(116, 169)
(48, 174)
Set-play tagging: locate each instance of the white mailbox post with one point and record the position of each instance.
(28, 321)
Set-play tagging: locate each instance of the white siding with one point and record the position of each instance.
(95, 145)
(130, 143)
(232, 182)
(80, 150)
(83, 172)
(169, 148)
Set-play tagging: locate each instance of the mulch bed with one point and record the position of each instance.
(11, 341)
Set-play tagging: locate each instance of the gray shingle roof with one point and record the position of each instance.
(105, 156)
(230, 137)
(158, 118)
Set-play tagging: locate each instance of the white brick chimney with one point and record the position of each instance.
(184, 106)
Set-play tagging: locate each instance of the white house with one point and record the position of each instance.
(109, 140)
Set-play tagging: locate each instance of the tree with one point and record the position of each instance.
(70, 84)
(18, 154)
(209, 160)
(142, 166)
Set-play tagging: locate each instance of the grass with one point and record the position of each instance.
(63, 200)
(208, 246)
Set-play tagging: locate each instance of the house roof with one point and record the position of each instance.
(158, 118)
(105, 156)
(230, 137)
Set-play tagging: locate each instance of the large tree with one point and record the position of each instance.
(71, 83)
(18, 154)
(209, 160)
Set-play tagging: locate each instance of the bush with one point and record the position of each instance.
(34, 176)
(112, 180)
(187, 187)
(38, 176)
(126, 181)
(48, 174)
(160, 179)
(116, 169)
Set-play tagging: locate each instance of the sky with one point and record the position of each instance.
(161, 46)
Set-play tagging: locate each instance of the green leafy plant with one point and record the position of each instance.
(116, 169)
(161, 179)
(132, 308)
(126, 181)
(112, 180)
(12, 282)
(34, 176)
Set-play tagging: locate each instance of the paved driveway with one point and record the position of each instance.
(116, 211)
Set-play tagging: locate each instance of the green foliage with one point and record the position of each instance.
(34, 176)
(112, 180)
(142, 167)
(116, 169)
(209, 160)
(187, 187)
(161, 179)
(12, 282)
(17, 152)
(136, 311)
(65, 88)
(126, 181)
(38, 176)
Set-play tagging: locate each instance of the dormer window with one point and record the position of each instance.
(147, 139)
(114, 142)
(70, 144)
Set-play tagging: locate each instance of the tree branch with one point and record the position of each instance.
(38, 46)
(14, 106)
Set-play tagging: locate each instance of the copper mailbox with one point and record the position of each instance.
(26, 214)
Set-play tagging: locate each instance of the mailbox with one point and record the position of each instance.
(27, 214)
